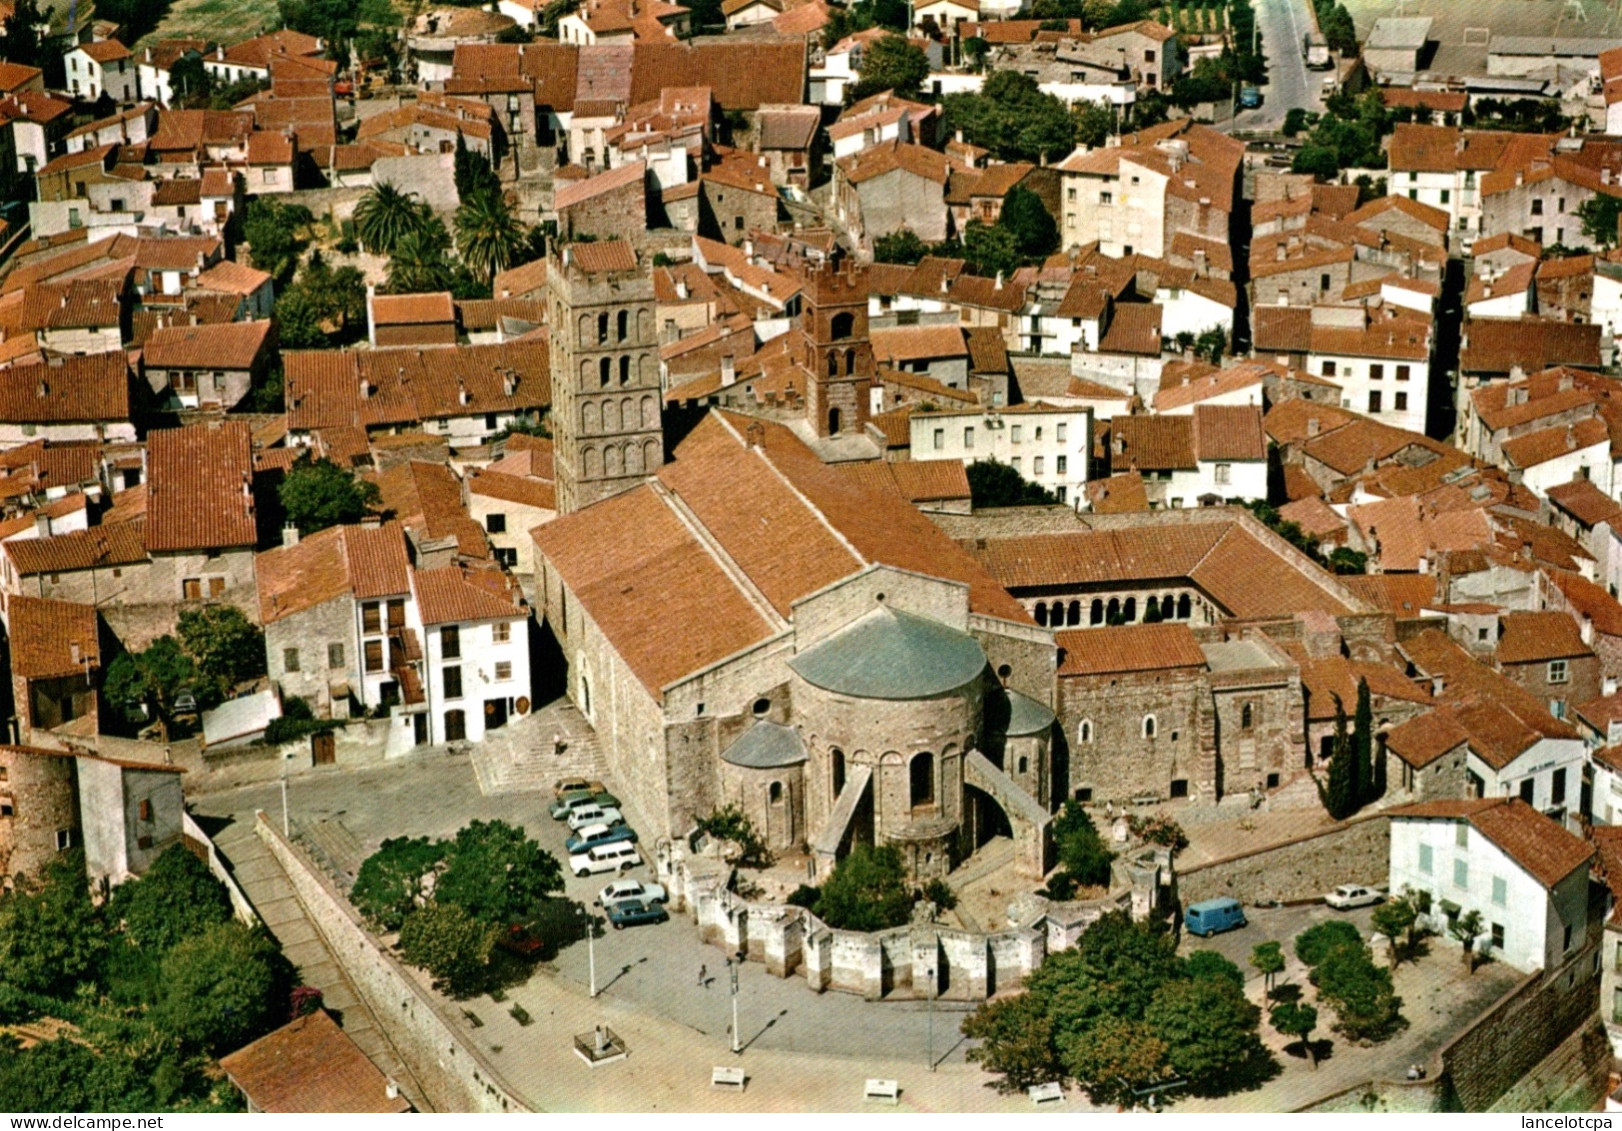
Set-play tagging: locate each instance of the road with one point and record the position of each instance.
(1289, 83)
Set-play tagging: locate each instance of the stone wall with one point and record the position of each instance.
(1357, 852)
(199, 841)
(454, 1075)
(1113, 756)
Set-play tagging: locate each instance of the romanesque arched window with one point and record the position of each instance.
(1041, 613)
(1084, 732)
(604, 371)
(1097, 614)
(1150, 725)
(842, 325)
(625, 369)
(921, 779)
(602, 328)
(1247, 717)
(1074, 617)
(1184, 606)
(624, 324)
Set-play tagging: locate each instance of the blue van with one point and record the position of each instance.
(1214, 915)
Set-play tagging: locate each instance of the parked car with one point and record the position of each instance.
(1250, 97)
(633, 911)
(521, 941)
(594, 815)
(1347, 896)
(593, 835)
(577, 785)
(619, 856)
(621, 890)
(1212, 916)
(576, 798)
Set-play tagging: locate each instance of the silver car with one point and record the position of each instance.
(1348, 896)
(621, 890)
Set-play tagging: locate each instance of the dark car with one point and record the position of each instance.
(634, 911)
(593, 835)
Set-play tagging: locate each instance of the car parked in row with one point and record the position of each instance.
(631, 912)
(585, 815)
(1348, 896)
(620, 856)
(621, 890)
(577, 785)
(560, 808)
(593, 835)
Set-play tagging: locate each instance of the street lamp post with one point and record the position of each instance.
(930, 1007)
(591, 946)
(732, 977)
(287, 833)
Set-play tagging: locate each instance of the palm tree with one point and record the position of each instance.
(487, 234)
(384, 215)
(418, 264)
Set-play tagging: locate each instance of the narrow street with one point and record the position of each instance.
(1289, 83)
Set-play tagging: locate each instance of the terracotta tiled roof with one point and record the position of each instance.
(1446, 101)
(222, 345)
(1590, 600)
(413, 309)
(1154, 443)
(455, 593)
(1552, 443)
(52, 639)
(1134, 327)
(876, 161)
(604, 256)
(1128, 648)
(631, 173)
(199, 488)
(310, 1065)
(917, 481)
(427, 497)
(1282, 329)
(1117, 494)
(1535, 637)
(1422, 740)
(294, 578)
(895, 425)
(917, 343)
(530, 492)
(1497, 345)
(1406, 532)
(1541, 846)
(1431, 217)
(1601, 713)
(1228, 432)
(96, 548)
(1401, 594)
(72, 390)
(324, 387)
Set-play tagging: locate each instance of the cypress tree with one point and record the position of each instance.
(1363, 747)
(1341, 796)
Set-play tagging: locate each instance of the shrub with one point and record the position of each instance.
(730, 823)
(1318, 941)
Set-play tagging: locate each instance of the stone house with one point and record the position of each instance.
(67, 398)
(465, 395)
(38, 125)
(201, 529)
(1526, 876)
(55, 649)
(611, 205)
(1551, 656)
(101, 67)
(1216, 453)
(790, 138)
(737, 197)
(410, 320)
(1427, 758)
(886, 188)
(509, 505)
(80, 316)
(209, 365)
(1255, 689)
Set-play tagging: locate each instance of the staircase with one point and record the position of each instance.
(522, 756)
(267, 888)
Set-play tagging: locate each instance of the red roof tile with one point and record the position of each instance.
(1128, 648)
(200, 488)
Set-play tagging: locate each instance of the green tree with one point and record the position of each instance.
(891, 63)
(993, 484)
(153, 677)
(1029, 221)
(299, 321)
(472, 172)
(21, 43)
(318, 493)
(731, 823)
(1094, 123)
(1366, 1008)
(189, 78)
(1210, 964)
(488, 236)
(1298, 1020)
(66, 1075)
(1012, 118)
(1345, 560)
(1363, 745)
(274, 232)
(1015, 1036)
(449, 943)
(1396, 919)
(1340, 797)
(1268, 960)
(1212, 344)
(496, 873)
(385, 215)
(1115, 1056)
(228, 647)
(1084, 860)
(1600, 214)
(1464, 929)
(176, 899)
(1115, 969)
(990, 250)
(1318, 941)
(390, 883)
(1210, 1031)
(867, 891)
(51, 934)
(222, 988)
(417, 263)
(901, 246)
(322, 302)
(1297, 121)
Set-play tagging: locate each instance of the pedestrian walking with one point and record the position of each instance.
(703, 973)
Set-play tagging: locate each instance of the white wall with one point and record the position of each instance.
(1595, 460)
(480, 653)
(1353, 376)
(1032, 443)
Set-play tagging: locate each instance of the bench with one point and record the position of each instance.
(885, 1091)
(723, 1077)
(1050, 1092)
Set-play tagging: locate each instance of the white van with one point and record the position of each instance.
(621, 856)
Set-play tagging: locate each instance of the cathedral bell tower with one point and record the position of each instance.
(833, 347)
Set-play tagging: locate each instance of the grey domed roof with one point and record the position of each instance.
(766, 746)
(1026, 715)
(889, 654)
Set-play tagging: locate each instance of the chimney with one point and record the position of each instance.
(462, 395)
(44, 389)
(289, 535)
(1526, 551)
(1438, 685)
(1587, 629)
(729, 372)
(946, 284)
(1571, 437)
(1608, 689)
(1312, 427)
(365, 389)
(392, 1090)
(1604, 175)
(681, 288)
(73, 650)
(997, 286)
(1278, 252)
(42, 525)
